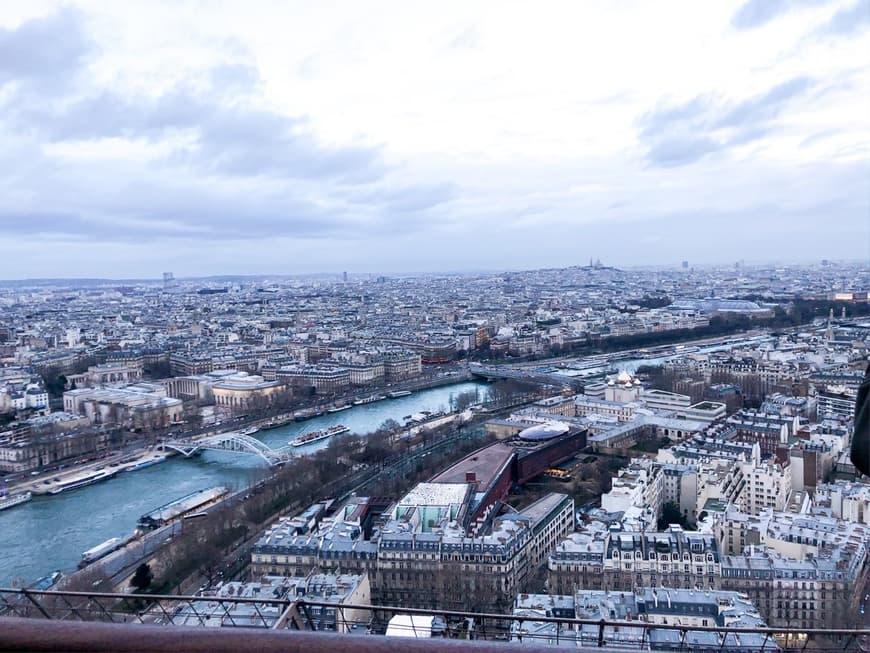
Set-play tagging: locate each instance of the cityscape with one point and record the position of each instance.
(587, 442)
(487, 325)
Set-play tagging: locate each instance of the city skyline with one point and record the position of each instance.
(286, 138)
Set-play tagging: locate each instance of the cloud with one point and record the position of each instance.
(680, 134)
(227, 168)
(755, 13)
(467, 39)
(44, 51)
(848, 20)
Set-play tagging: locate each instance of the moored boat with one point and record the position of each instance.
(81, 481)
(316, 436)
(12, 500)
(104, 549)
(369, 400)
(142, 464)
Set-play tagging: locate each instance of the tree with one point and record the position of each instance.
(671, 515)
(141, 580)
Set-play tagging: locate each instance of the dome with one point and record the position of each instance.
(545, 431)
(624, 377)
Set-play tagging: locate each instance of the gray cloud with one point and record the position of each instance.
(680, 134)
(46, 50)
(755, 13)
(234, 172)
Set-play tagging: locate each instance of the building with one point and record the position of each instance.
(242, 391)
(106, 374)
(142, 405)
(768, 430)
(847, 501)
(803, 570)
(620, 560)
(426, 550)
(334, 589)
(663, 400)
(315, 379)
(47, 440)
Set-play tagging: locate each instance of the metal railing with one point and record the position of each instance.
(294, 613)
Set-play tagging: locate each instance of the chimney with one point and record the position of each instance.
(470, 477)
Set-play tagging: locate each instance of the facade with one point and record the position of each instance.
(422, 555)
(803, 570)
(847, 501)
(243, 391)
(665, 400)
(318, 379)
(47, 440)
(623, 560)
(106, 374)
(136, 406)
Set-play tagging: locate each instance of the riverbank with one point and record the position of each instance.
(44, 482)
(51, 531)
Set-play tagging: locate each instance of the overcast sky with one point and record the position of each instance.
(283, 137)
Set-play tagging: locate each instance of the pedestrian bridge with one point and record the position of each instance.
(236, 442)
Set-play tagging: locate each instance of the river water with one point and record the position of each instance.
(50, 532)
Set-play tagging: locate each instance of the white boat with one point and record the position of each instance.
(82, 481)
(142, 464)
(338, 409)
(46, 582)
(250, 430)
(12, 500)
(104, 549)
(369, 400)
(316, 436)
(398, 393)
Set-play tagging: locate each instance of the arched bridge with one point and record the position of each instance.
(230, 442)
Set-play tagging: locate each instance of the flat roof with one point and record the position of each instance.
(484, 463)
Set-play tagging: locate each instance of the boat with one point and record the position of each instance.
(316, 436)
(82, 481)
(398, 393)
(142, 464)
(12, 500)
(250, 430)
(46, 582)
(369, 400)
(338, 409)
(104, 549)
(193, 502)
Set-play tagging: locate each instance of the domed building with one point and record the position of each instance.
(624, 387)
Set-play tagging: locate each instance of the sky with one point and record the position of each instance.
(217, 137)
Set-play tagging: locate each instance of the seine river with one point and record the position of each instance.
(50, 532)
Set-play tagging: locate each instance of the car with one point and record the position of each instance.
(57, 479)
(34, 473)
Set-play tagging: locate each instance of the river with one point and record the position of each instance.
(50, 532)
